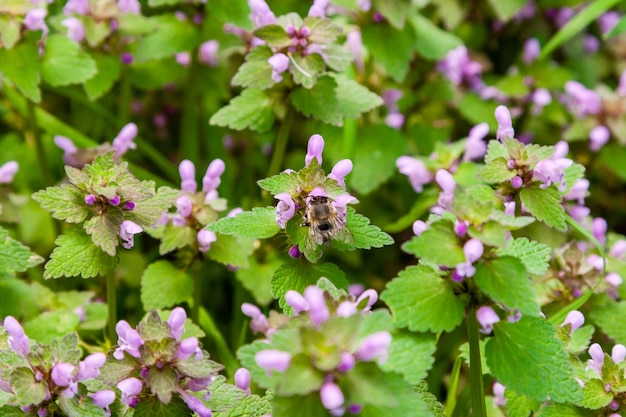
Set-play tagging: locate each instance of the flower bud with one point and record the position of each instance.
(505, 125)
(618, 249)
(186, 348)
(90, 199)
(242, 379)
(531, 51)
(331, 396)
(89, 368)
(575, 318)
(347, 362)
(208, 52)
(294, 252)
(318, 311)
(177, 320)
(297, 302)
(62, 374)
(473, 250)
(103, 398)
(212, 176)
(486, 317)
(205, 238)
(374, 346)
(613, 279)
(445, 180)
(18, 342)
(273, 360)
(517, 181)
(279, 63)
(315, 148)
(419, 226)
(184, 207)
(187, 171)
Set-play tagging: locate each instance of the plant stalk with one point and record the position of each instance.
(476, 373)
(280, 148)
(41, 153)
(112, 306)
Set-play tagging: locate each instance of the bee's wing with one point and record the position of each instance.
(343, 238)
(312, 248)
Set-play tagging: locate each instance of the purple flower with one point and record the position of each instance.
(598, 137)
(294, 252)
(458, 67)
(346, 309)
(8, 171)
(69, 149)
(581, 100)
(18, 342)
(195, 404)
(279, 63)
(128, 229)
(318, 9)
(608, 21)
(89, 367)
(371, 296)
(212, 176)
(124, 140)
(76, 6)
(208, 52)
(613, 279)
(591, 44)
(187, 171)
(129, 205)
(355, 45)
(374, 346)
(103, 398)
(598, 229)
(315, 148)
(261, 13)
(447, 183)
(579, 191)
(183, 58)
(331, 396)
(597, 358)
(552, 171)
(540, 97)
(517, 181)
(347, 362)
(475, 147)
(75, 29)
(486, 318)
(285, 209)
(498, 394)
(187, 347)
(575, 318)
(618, 249)
(273, 360)
(127, 58)
(297, 302)
(395, 120)
(595, 261)
(130, 388)
(62, 374)
(115, 200)
(242, 380)
(416, 171)
(205, 238)
(129, 6)
(618, 353)
(35, 20)
(340, 170)
(176, 321)
(473, 250)
(259, 323)
(505, 125)
(419, 226)
(318, 311)
(184, 207)
(128, 340)
(621, 87)
(532, 47)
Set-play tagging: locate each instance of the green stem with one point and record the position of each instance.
(189, 128)
(197, 295)
(280, 148)
(125, 94)
(112, 306)
(349, 137)
(226, 355)
(454, 384)
(41, 153)
(476, 373)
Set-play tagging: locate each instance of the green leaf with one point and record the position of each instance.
(21, 65)
(65, 202)
(256, 72)
(171, 36)
(285, 182)
(150, 205)
(396, 11)
(230, 250)
(152, 407)
(51, 325)
(9, 30)
(75, 254)
(534, 255)
(64, 63)
(96, 31)
(156, 74)
(512, 222)
(438, 244)
(519, 405)
(396, 61)
(505, 10)
(260, 223)
(613, 156)
(274, 36)
(610, 318)
(27, 390)
(134, 24)
(411, 355)
(496, 171)
(531, 344)
(113, 370)
(577, 24)
(109, 69)
(506, 281)
(571, 175)
(337, 57)
(175, 237)
(162, 382)
(365, 235)
(104, 230)
(252, 110)
(561, 410)
(432, 42)
(298, 405)
(423, 301)
(595, 395)
(79, 407)
(14, 256)
(163, 285)
(353, 98)
(198, 368)
(434, 406)
(375, 158)
(158, 3)
(257, 278)
(545, 205)
(319, 102)
(306, 68)
(495, 150)
(230, 401)
(475, 204)
(323, 31)
(298, 274)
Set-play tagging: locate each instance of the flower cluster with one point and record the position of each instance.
(319, 315)
(39, 376)
(159, 362)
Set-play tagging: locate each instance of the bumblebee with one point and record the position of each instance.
(322, 219)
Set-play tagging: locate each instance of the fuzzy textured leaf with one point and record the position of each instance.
(365, 235)
(438, 244)
(423, 301)
(172, 35)
(595, 395)
(319, 102)
(152, 407)
(534, 255)
(231, 250)
(410, 355)
(353, 98)
(496, 171)
(260, 223)
(252, 110)
(545, 205)
(297, 275)
(109, 69)
(64, 63)
(256, 72)
(531, 344)
(431, 41)
(519, 405)
(21, 65)
(506, 281)
(75, 254)
(285, 182)
(163, 285)
(14, 257)
(396, 61)
(105, 229)
(65, 202)
(610, 318)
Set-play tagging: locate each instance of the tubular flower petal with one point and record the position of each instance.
(273, 360)
(177, 319)
(205, 238)
(62, 374)
(242, 379)
(285, 209)
(331, 396)
(416, 171)
(124, 140)
(486, 318)
(279, 63)
(374, 346)
(8, 171)
(208, 52)
(18, 342)
(340, 170)
(575, 318)
(128, 229)
(297, 302)
(505, 125)
(318, 311)
(315, 148)
(212, 177)
(187, 171)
